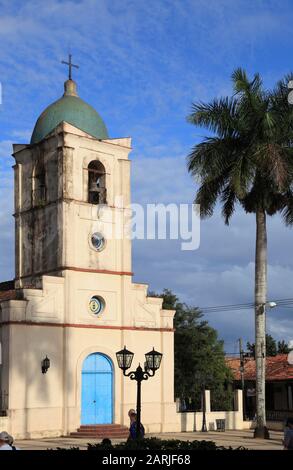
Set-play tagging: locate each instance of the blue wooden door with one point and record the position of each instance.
(97, 390)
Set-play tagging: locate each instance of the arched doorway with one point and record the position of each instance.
(97, 390)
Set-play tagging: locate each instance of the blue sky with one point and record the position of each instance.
(142, 63)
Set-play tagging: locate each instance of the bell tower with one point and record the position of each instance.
(74, 302)
(72, 192)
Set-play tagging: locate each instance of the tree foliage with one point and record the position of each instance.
(152, 444)
(247, 160)
(199, 356)
(283, 347)
(272, 347)
(248, 157)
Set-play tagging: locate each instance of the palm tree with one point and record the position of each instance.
(248, 159)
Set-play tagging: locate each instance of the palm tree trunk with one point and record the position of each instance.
(260, 321)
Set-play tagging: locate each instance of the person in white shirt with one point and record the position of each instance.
(6, 442)
(4, 438)
(10, 441)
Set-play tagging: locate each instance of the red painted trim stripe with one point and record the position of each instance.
(83, 270)
(79, 325)
(103, 271)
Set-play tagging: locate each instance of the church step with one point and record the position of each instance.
(99, 435)
(105, 432)
(102, 426)
(101, 431)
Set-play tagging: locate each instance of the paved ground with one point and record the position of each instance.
(228, 438)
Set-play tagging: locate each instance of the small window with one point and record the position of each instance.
(96, 305)
(96, 183)
(39, 184)
(98, 241)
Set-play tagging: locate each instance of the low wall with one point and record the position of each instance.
(192, 420)
(276, 425)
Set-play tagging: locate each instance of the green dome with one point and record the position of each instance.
(72, 109)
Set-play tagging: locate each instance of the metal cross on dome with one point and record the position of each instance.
(70, 65)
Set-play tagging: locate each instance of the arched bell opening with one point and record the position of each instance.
(39, 184)
(97, 193)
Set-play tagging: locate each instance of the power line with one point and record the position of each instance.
(247, 305)
(225, 306)
(284, 303)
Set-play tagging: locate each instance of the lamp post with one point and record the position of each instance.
(152, 364)
(242, 371)
(204, 408)
(202, 379)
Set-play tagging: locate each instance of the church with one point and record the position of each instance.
(72, 304)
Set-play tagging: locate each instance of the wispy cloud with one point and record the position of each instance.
(221, 271)
(141, 65)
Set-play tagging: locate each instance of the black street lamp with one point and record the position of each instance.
(45, 365)
(152, 364)
(204, 408)
(202, 380)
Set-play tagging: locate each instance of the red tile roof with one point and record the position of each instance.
(8, 295)
(277, 368)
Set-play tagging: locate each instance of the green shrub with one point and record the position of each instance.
(154, 444)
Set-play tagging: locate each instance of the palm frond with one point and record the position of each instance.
(219, 116)
(240, 81)
(211, 157)
(242, 172)
(228, 199)
(276, 163)
(250, 158)
(287, 210)
(207, 195)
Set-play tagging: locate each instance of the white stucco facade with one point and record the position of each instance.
(58, 271)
